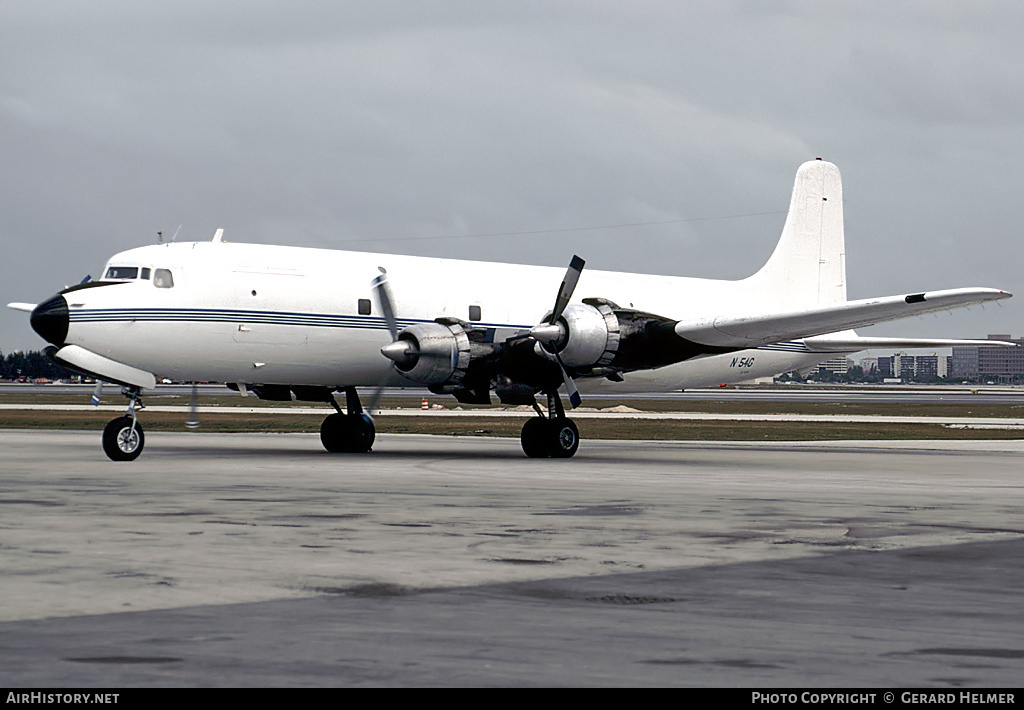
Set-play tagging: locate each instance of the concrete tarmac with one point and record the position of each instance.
(260, 560)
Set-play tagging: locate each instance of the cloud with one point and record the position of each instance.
(340, 124)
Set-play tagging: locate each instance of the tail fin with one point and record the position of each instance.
(808, 266)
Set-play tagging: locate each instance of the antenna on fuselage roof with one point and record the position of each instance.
(160, 235)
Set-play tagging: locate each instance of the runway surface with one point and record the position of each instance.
(260, 560)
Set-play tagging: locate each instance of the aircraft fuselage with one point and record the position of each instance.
(247, 313)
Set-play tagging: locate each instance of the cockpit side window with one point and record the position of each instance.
(121, 273)
(162, 278)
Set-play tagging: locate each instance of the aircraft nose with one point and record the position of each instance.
(50, 320)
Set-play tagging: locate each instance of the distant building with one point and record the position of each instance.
(886, 365)
(989, 362)
(911, 367)
(926, 367)
(868, 365)
(837, 365)
(906, 366)
(964, 364)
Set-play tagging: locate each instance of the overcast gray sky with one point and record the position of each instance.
(442, 128)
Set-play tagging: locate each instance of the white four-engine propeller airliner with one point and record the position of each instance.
(285, 321)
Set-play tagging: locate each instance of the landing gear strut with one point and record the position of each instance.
(349, 432)
(551, 436)
(123, 438)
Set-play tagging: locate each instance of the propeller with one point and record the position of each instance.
(397, 350)
(400, 351)
(551, 331)
(96, 393)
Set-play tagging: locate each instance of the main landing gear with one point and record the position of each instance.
(552, 436)
(123, 438)
(348, 432)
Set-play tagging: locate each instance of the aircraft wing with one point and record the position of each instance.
(750, 331)
(851, 342)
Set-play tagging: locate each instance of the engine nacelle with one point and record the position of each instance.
(603, 338)
(588, 336)
(438, 354)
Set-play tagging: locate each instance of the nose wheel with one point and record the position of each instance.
(123, 438)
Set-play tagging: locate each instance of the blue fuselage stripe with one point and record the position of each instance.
(210, 315)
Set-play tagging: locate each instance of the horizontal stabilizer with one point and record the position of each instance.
(844, 342)
(90, 363)
(763, 329)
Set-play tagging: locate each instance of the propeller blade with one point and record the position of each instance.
(96, 393)
(378, 392)
(383, 293)
(572, 277)
(570, 385)
(192, 422)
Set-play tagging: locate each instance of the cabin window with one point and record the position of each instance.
(120, 273)
(162, 278)
(145, 273)
(474, 313)
(364, 306)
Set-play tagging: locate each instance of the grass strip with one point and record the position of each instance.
(617, 428)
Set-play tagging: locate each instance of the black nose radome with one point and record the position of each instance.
(50, 320)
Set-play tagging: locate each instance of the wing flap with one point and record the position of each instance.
(763, 329)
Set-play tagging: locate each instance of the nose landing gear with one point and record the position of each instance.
(123, 437)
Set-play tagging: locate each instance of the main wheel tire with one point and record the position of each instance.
(534, 438)
(347, 434)
(564, 438)
(361, 434)
(121, 441)
(331, 432)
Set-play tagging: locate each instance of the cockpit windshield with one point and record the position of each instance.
(161, 278)
(121, 273)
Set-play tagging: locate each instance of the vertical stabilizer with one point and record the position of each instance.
(808, 266)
